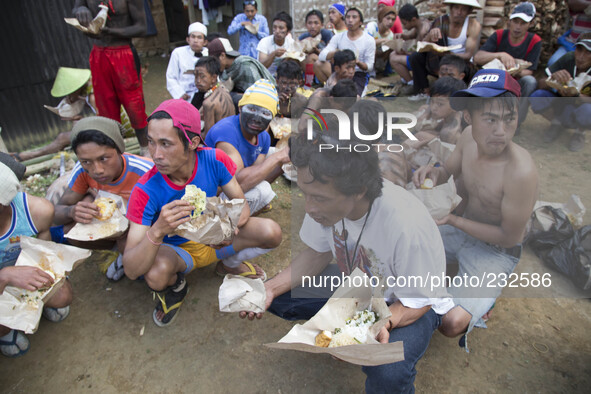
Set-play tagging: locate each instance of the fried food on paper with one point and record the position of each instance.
(107, 207)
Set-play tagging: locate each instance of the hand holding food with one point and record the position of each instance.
(197, 198)
(106, 206)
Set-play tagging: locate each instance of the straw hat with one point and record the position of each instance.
(469, 3)
(68, 80)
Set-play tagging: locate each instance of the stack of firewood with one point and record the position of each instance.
(552, 20)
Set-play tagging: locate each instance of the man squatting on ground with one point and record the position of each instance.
(244, 139)
(499, 181)
(155, 210)
(114, 62)
(25, 215)
(104, 165)
(365, 222)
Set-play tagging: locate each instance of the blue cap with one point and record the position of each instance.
(339, 7)
(487, 83)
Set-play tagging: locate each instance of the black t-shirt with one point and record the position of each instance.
(532, 41)
(566, 62)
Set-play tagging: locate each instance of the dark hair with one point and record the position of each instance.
(368, 112)
(317, 13)
(350, 172)
(181, 135)
(358, 11)
(507, 100)
(344, 88)
(284, 17)
(212, 36)
(454, 61)
(342, 57)
(96, 136)
(289, 68)
(407, 12)
(210, 63)
(446, 86)
(250, 2)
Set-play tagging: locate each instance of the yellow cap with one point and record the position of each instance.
(263, 94)
(68, 80)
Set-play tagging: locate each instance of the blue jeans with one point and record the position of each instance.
(570, 112)
(388, 378)
(480, 261)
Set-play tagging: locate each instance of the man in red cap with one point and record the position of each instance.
(499, 183)
(155, 210)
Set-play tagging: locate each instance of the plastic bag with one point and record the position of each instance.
(563, 248)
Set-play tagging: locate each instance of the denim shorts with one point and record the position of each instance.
(480, 265)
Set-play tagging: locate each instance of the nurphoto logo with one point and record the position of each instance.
(374, 139)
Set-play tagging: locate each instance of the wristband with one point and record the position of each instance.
(152, 242)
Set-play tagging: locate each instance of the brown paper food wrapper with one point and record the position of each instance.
(95, 26)
(216, 224)
(344, 303)
(308, 44)
(520, 65)
(112, 228)
(542, 220)
(252, 28)
(424, 46)
(21, 309)
(281, 127)
(440, 200)
(574, 86)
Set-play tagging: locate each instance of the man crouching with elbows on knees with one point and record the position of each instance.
(363, 222)
(500, 183)
(155, 210)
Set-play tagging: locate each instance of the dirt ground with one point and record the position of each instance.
(531, 345)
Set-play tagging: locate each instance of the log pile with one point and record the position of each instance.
(552, 20)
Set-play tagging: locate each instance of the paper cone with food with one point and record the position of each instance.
(439, 200)
(346, 327)
(110, 223)
(213, 221)
(424, 46)
(96, 25)
(21, 309)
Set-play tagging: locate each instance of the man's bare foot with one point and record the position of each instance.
(246, 269)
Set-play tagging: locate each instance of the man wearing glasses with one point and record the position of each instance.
(243, 137)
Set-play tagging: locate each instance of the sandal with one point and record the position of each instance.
(115, 270)
(56, 314)
(17, 346)
(251, 273)
(171, 302)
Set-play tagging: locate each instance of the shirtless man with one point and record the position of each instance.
(212, 99)
(501, 185)
(114, 62)
(416, 29)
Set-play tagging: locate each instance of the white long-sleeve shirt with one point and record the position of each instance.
(182, 59)
(364, 48)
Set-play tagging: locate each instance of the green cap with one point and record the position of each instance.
(68, 80)
(108, 127)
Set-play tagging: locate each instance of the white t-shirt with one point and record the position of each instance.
(400, 240)
(268, 45)
(363, 47)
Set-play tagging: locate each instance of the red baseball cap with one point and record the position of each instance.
(184, 116)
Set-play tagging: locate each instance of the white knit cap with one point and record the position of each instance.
(197, 27)
(10, 185)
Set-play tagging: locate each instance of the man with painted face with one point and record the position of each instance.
(289, 78)
(243, 137)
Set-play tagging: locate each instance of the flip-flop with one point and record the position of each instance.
(17, 337)
(170, 304)
(252, 271)
(56, 315)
